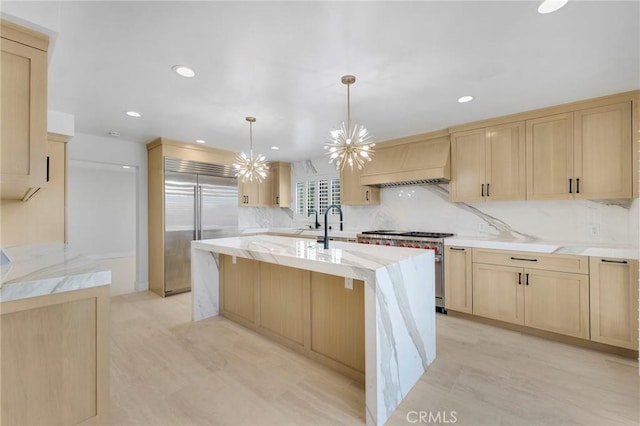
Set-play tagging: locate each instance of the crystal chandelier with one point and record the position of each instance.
(250, 167)
(347, 145)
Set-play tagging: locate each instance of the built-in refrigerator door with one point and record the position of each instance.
(218, 200)
(180, 217)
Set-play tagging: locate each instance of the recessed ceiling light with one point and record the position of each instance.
(465, 99)
(200, 141)
(126, 167)
(114, 134)
(134, 114)
(184, 71)
(275, 148)
(549, 6)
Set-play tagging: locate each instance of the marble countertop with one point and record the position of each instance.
(607, 250)
(342, 258)
(41, 269)
(302, 232)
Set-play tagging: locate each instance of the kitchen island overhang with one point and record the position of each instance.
(399, 305)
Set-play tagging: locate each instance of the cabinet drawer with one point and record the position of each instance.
(524, 259)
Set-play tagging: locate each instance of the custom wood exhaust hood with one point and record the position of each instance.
(414, 160)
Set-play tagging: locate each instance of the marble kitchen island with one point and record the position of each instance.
(398, 307)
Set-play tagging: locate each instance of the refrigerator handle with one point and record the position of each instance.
(195, 212)
(200, 211)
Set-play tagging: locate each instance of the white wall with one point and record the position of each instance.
(111, 151)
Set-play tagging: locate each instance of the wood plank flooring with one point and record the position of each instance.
(167, 370)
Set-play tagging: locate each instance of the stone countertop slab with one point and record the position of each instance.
(48, 268)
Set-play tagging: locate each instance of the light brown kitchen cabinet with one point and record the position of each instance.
(249, 194)
(498, 292)
(586, 154)
(552, 300)
(549, 147)
(614, 301)
(354, 194)
(238, 280)
(458, 291)
(488, 164)
(557, 302)
(23, 82)
(603, 152)
(280, 184)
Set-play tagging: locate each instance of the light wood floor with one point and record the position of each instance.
(167, 370)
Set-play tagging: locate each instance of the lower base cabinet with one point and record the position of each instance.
(548, 300)
(614, 302)
(458, 274)
(310, 312)
(55, 359)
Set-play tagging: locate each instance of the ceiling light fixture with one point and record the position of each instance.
(465, 99)
(184, 71)
(346, 145)
(550, 6)
(250, 167)
(275, 148)
(200, 141)
(114, 134)
(134, 114)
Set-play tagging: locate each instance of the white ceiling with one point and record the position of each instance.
(282, 62)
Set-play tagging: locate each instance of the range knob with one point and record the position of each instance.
(387, 243)
(426, 247)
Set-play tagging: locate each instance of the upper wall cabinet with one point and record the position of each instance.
(354, 194)
(488, 164)
(603, 152)
(273, 191)
(280, 184)
(586, 154)
(550, 157)
(23, 143)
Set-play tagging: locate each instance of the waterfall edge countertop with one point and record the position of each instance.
(345, 259)
(399, 302)
(48, 268)
(607, 250)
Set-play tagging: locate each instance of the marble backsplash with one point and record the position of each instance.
(427, 208)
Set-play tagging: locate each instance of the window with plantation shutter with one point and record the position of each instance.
(316, 194)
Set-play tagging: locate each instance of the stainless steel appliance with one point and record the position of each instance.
(419, 240)
(200, 202)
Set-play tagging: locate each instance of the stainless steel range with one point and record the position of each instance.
(420, 240)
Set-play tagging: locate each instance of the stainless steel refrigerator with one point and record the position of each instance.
(200, 203)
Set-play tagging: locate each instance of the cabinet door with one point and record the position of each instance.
(505, 162)
(549, 146)
(614, 302)
(468, 166)
(23, 136)
(265, 191)
(498, 292)
(281, 185)
(283, 295)
(237, 289)
(457, 285)
(557, 302)
(354, 194)
(248, 194)
(603, 151)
